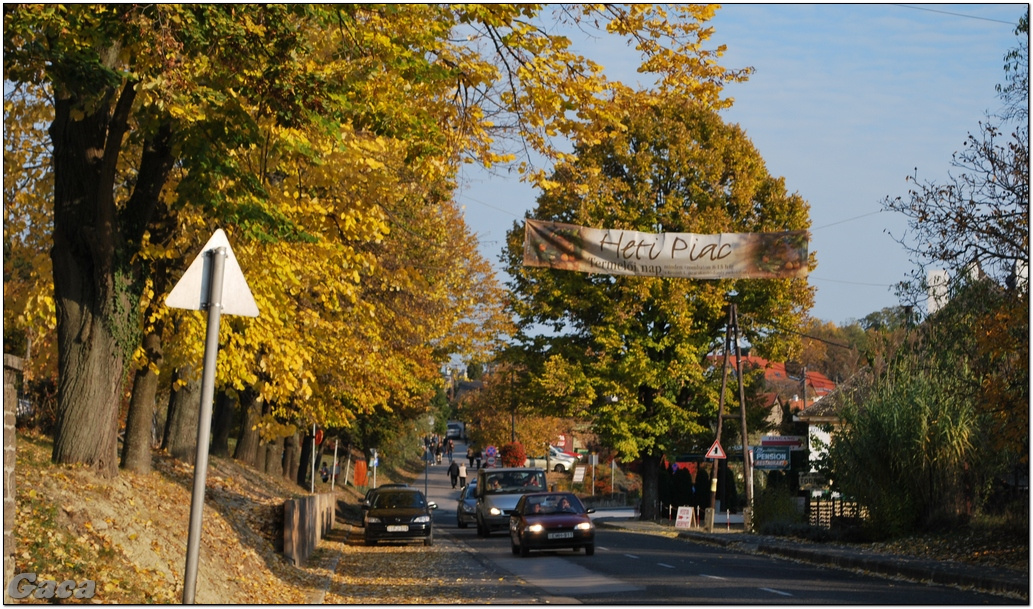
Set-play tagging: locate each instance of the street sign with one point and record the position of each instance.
(770, 457)
(213, 282)
(716, 452)
(192, 289)
(793, 442)
(686, 517)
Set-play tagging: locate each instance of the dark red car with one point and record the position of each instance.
(547, 521)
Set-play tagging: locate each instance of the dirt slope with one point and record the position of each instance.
(129, 534)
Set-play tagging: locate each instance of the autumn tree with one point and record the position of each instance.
(631, 353)
(304, 131)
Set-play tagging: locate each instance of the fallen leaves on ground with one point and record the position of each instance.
(129, 534)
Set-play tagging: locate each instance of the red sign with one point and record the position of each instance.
(716, 452)
(319, 436)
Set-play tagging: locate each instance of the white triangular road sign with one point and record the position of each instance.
(716, 452)
(191, 291)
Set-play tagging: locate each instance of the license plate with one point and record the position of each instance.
(567, 535)
(397, 528)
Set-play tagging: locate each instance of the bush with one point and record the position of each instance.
(513, 454)
(776, 506)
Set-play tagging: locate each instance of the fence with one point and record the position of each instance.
(305, 521)
(826, 512)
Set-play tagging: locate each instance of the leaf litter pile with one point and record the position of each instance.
(129, 534)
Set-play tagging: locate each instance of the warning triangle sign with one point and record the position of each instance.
(716, 452)
(191, 291)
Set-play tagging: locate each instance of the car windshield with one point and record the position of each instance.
(563, 503)
(509, 482)
(398, 500)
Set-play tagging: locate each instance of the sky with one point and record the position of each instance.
(845, 103)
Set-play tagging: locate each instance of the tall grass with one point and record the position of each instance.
(906, 450)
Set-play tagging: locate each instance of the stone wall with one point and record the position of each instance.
(305, 521)
(12, 370)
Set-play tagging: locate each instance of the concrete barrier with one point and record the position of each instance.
(306, 520)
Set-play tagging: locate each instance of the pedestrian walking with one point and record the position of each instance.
(453, 473)
(469, 455)
(462, 475)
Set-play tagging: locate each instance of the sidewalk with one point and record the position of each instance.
(986, 579)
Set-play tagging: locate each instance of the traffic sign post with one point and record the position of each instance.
(202, 287)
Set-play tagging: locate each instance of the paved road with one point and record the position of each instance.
(631, 567)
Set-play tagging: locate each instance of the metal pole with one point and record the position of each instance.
(312, 470)
(746, 464)
(333, 472)
(720, 414)
(211, 353)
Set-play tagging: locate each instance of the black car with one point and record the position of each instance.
(466, 507)
(369, 494)
(399, 514)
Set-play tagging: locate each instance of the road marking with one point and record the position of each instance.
(711, 576)
(602, 548)
(663, 564)
(631, 556)
(773, 591)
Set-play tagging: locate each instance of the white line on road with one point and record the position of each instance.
(773, 591)
(631, 556)
(663, 564)
(711, 576)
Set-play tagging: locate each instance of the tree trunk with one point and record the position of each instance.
(274, 457)
(184, 412)
(91, 360)
(97, 278)
(248, 442)
(136, 452)
(650, 486)
(290, 456)
(305, 462)
(221, 423)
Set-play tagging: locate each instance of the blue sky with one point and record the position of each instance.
(846, 101)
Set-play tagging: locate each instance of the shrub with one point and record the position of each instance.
(513, 454)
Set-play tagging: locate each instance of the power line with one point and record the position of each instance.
(933, 10)
(879, 211)
(874, 285)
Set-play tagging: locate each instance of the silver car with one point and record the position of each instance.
(466, 507)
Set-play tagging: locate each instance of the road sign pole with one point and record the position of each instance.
(211, 352)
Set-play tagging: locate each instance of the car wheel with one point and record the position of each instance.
(482, 529)
(559, 469)
(461, 523)
(429, 540)
(515, 548)
(590, 549)
(371, 542)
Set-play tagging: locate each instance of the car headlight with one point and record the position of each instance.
(424, 518)
(372, 519)
(495, 511)
(535, 528)
(584, 526)
(469, 509)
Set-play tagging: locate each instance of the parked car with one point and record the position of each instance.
(466, 507)
(558, 461)
(454, 431)
(499, 489)
(399, 514)
(546, 521)
(569, 454)
(369, 493)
